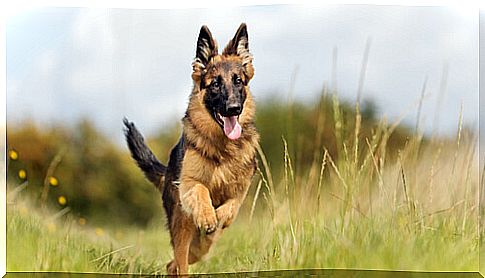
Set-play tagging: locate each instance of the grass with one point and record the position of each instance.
(416, 209)
(34, 245)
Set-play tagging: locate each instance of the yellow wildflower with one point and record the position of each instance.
(53, 181)
(62, 200)
(13, 155)
(22, 174)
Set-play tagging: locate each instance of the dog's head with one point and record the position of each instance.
(223, 79)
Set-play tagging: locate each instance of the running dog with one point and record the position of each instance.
(210, 168)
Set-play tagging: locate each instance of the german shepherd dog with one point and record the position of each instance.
(211, 167)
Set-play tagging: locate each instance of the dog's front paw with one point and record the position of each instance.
(206, 221)
(224, 215)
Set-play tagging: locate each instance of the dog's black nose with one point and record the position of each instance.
(233, 109)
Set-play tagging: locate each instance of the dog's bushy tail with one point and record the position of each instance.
(152, 168)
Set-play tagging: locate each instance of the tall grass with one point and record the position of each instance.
(362, 210)
(359, 206)
(418, 212)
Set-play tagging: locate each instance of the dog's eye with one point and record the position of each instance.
(216, 84)
(237, 81)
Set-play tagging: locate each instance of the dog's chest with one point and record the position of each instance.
(229, 180)
(230, 172)
(225, 177)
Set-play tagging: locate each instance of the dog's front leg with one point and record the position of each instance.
(227, 212)
(196, 201)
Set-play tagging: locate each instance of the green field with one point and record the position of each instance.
(370, 244)
(336, 188)
(366, 210)
(35, 244)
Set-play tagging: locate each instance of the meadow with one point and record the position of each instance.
(353, 191)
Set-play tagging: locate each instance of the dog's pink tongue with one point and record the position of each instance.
(232, 129)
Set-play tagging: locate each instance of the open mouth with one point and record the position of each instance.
(231, 126)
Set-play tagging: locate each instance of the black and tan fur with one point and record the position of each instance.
(208, 174)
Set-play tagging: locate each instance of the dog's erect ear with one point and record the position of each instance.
(206, 47)
(239, 45)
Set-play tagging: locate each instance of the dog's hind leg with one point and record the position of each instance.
(201, 245)
(172, 267)
(184, 230)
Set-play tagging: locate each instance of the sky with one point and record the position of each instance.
(64, 64)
